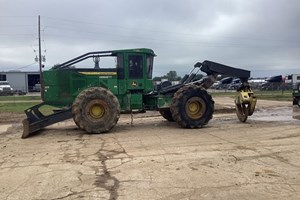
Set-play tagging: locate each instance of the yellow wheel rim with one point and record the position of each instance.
(195, 108)
(97, 111)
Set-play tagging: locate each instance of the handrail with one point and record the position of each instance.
(81, 58)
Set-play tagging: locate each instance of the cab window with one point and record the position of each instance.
(149, 66)
(135, 63)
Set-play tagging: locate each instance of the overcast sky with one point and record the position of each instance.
(258, 35)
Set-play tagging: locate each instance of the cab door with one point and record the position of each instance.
(136, 80)
(135, 72)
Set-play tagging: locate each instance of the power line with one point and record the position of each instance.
(15, 25)
(145, 38)
(13, 47)
(176, 42)
(11, 16)
(166, 32)
(155, 40)
(16, 34)
(25, 66)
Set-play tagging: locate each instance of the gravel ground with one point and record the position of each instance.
(155, 159)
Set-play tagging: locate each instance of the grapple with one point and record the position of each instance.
(245, 102)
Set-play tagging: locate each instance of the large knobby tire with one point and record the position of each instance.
(96, 110)
(166, 113)
(192, 107)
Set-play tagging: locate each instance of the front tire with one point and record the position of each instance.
(96, 110)
(166, 113)
(192, 107)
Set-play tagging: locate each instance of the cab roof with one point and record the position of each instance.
(137, 50)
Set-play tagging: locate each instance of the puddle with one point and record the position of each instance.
(275, 114)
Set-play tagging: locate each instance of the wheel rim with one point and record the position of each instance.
(96, 111)
(195, 107)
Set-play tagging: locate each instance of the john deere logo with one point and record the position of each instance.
(134, 84)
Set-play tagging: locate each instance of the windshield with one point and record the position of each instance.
(135, 63)
(4, 83)
(149, 66)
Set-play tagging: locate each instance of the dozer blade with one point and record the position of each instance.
(36, 120)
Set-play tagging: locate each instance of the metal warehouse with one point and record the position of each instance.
(24, 81)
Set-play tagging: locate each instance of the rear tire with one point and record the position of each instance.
(192, 107)
(96, 110)
(166, 113)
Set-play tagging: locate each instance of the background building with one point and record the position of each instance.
(24, 81)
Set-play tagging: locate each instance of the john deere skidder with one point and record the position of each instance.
(96, 96)
(296, 101)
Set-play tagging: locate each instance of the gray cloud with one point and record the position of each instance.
(259, 35)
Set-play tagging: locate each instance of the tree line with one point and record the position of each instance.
(173, 76)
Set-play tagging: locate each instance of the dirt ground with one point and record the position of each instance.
(156, 159)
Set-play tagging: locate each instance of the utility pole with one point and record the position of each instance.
(40, 57)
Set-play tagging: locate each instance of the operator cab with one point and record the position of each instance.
(138, 67)
(126, 73)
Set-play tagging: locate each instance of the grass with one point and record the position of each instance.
(20, 107)
(267, 95)
(275, 95)
(19, 98)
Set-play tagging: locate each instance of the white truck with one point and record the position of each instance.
(292, 79)
(5, 88)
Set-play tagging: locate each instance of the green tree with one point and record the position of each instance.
(198, 77)
(156, 78)
(172, 76)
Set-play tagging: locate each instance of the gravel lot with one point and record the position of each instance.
(155, 159)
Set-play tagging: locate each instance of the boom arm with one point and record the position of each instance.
(245, 100)
(211, 68)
